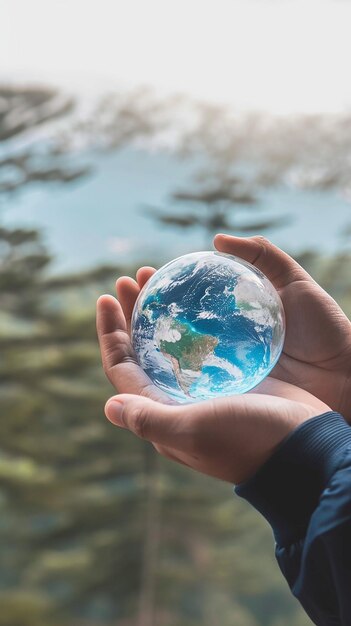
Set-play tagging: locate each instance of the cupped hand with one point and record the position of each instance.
(228, 438)
(317, 350)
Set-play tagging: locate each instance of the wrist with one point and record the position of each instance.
(287, 489)
(269, 436)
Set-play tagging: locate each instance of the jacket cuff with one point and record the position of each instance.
(287, 488)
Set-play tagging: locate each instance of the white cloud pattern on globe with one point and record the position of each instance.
(207, 324)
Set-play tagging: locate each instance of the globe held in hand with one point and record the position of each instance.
(207, 324)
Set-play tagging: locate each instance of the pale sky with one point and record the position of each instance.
(276, 55)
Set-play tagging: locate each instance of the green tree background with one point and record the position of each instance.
(95, 528)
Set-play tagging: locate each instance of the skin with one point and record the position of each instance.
(230, 438)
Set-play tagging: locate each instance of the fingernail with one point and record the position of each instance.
(229, 236)
(113, 411)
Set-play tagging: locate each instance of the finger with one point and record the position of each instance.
(279, 267)
(127, 292)
(118, 357)
(164, 425)
(143, 274)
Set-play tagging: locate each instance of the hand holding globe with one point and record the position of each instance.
(230, 437)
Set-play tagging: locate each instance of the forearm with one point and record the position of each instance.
(304, 491)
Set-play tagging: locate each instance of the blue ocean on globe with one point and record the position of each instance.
(207, 324)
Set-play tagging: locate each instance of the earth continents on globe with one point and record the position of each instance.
(207, 324)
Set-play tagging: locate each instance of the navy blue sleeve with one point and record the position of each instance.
(304, 492)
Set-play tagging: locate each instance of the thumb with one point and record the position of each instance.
(277, 265)
(167, 425)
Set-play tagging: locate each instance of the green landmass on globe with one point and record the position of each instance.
(187, 352)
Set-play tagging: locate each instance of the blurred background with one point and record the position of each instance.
(131, 132)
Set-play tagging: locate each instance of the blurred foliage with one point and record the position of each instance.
(38, 160)
(239, 154)
(215, 206)
(308, 151)
(95, 528)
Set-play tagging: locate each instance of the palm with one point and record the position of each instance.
(317, 347)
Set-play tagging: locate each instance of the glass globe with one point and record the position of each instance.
(206, 325)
